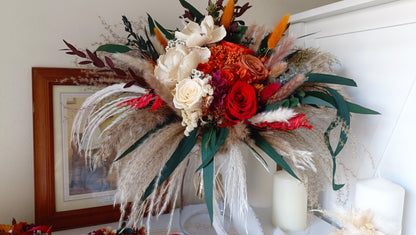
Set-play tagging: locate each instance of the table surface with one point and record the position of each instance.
(158, 227)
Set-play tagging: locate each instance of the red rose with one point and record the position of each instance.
(240, 103)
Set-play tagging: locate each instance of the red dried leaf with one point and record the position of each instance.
(294, 123)
(75, 50)
(104, 70)
(119, 72)
(85, 62)
(129, 84)
(144, 101)
(138, 103)
(96, 61)
(157, 103)
(109, 62)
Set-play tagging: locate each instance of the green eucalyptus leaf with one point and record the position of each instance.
(274, 106)
(328, 78)
(183, 149)
(208, 176)
(343, 120)
(211, 143)
(269, 150)
(294, 101)
(316, 101)
(151, 25)
(353, 108)
(168, 35)
(113, 48)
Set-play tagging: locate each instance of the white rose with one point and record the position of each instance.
(178, 63)
(188, 94)
(208, 32)
(188, 98)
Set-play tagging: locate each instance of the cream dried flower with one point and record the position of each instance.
(199, 35)
(178, 63)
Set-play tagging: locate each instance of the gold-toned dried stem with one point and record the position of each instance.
(287, 89)
(277, 69)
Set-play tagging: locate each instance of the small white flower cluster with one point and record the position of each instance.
(189, 94)
(174, 43)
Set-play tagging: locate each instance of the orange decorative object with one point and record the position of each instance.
(227, 16)
(278, 32)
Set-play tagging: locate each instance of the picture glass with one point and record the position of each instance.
(78, 183)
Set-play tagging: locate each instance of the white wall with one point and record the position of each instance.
(376, 47)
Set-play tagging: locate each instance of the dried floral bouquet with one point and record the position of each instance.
(198, 96)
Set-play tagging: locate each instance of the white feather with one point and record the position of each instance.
(279, 115)
(91, 114)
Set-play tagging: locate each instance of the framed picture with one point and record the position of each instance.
(68, 194)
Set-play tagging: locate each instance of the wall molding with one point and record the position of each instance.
(335, 9)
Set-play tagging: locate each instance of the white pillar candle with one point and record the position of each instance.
(385, 199)
(290, 202)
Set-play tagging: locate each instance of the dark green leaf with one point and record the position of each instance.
(353, 108)
(269, 150)
(183, 149)
(327, 78)
(237, 36)
(263, 48)
(152, 49)
(210, 144)
(136, 144)
(167, 34)
(343, 120)
(316, 101)
(199, 16)
(151, 25)
(113, 48)
(294, 101)
(274, 106)
(208, 176)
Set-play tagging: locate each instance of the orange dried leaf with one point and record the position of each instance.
(227, 16)
(278, 32)
(160, 38)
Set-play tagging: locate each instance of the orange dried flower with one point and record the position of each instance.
(227, 16)
(278, 32)
(160, 38)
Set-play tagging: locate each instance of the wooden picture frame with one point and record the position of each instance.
(43, 82)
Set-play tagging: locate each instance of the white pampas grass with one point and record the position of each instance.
(281, 52)
(361, 222)
(233, 171)
(92, 113)
(141, 166)
(279, 115)
(144, 66)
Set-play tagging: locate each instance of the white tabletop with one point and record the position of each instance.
(158, 227)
